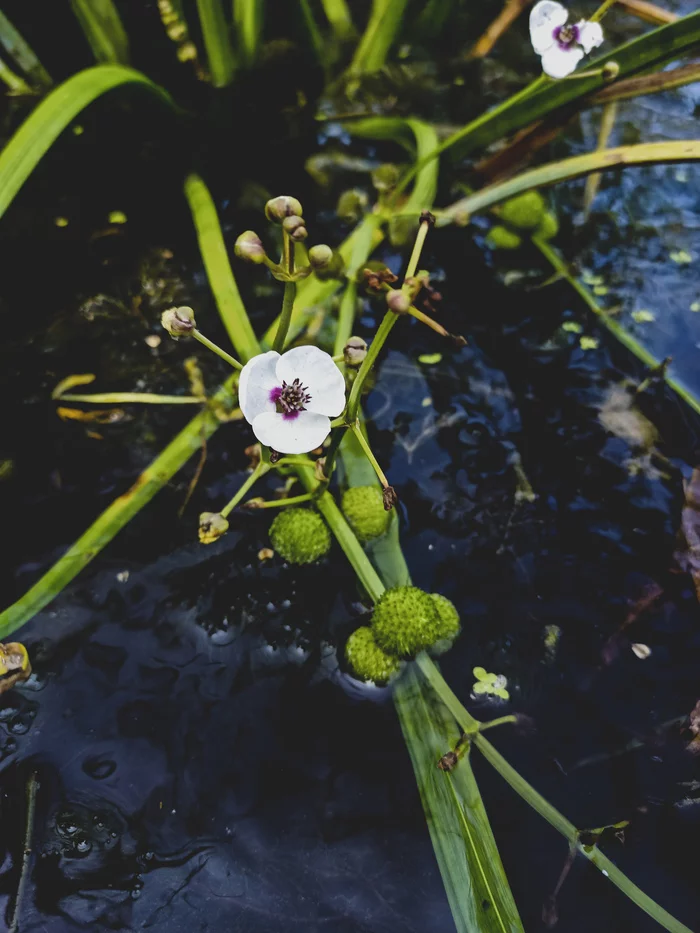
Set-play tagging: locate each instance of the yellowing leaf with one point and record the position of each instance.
(14, 665)
(100, 416)
(70, 382)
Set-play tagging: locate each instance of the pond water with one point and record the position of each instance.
(203, 762)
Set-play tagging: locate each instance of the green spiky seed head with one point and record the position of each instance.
(548, 227)
(367, 660)
(449, 627)
(524, 212)
(501, 237)
(363, 507)
(405, 621)
(300, 536)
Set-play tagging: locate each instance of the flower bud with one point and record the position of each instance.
(389, 497)
(300, 536)
(212, 525)
(367, 660)
(284, 206)
(386, 177)
(351, 205)
(363, 508)
(320, 256)
(405, 621)
(179, 322)
(398, 301)
(292, 223)
(354, 351)
(249, 247)
(611, 70)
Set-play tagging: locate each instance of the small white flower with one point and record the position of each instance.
(561, 46)
(290, 399)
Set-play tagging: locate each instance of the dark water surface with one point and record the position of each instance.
(204, 765)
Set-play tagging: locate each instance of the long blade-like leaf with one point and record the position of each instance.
(248, 18)
(217, 41)
(103, 29)
(687, 150)
(471, 868)
(19, 49)
(45, 124)
(382, 28)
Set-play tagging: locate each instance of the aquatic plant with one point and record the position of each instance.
(439, 731)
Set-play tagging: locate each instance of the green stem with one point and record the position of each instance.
(372, 353)
(280, 503)
(501, 721)
(206, 342)
(362, 441)
(601, 11)
(13, 81)
(296, 461)
(626, 339)
(260, 470)
(217, 41)
(417, 250)
(332, 452)
(467, 131)
(147, 398)
(32, 787)
(290, 290)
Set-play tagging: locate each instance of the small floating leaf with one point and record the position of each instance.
(588, 278)
(61, 221)
(589, 343)
(14, 665)
(572, 327)
(600, 290)
(681, 256)
(429, 359)
(643, 316)
(695, 306)
(117, 217)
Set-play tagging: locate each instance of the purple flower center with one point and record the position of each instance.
(566, 36)
(290, 399)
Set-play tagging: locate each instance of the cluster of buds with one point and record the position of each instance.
(286, 212)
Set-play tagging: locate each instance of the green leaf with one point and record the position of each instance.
(44, 125)
(248, 18)
(218, 268)
(564, 170)
(382, 28)
(19, 49)
(217, 41)
(103, 29)
(472, 872)
(338, 15)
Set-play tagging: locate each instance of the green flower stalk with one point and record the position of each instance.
(363, 507)
(367, 660)
(300, 536)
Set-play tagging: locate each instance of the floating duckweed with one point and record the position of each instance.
(367, 659)
(449, 627)
(681, 257)
(429, 359)
(524, 212)
(643, 317)
(300, 536)
(588, 343)
(501, 237)
(572, 327)
(61, 221)
(548, 227)
(600, 290)
(695, 306)
(364, 509)
(117, 217)
(405, 621)
(588, 278)
(490, 684)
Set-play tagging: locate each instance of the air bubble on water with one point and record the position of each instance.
(149, 855)
(83, 846)
(136, 894)
(223, 637)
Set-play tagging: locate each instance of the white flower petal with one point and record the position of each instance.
(257, 380)
(292, 435)
(319, 374)
(544, 19)
(590, 35)
(558, 63)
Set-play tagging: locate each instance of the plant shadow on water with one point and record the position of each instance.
(200, 764)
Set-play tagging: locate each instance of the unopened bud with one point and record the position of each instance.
(610, 70)
(386, 177)
(354, 351)
(398, 301)
(458, 340)
(320, 256)
(212, 525)
(249, 247)
(179, 322)
(389, 498)
(283, 206)
(292, 223)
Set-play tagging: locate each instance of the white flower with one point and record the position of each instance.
(561, 46)
(290, 399)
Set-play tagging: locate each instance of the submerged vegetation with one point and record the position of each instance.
(301, 382)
